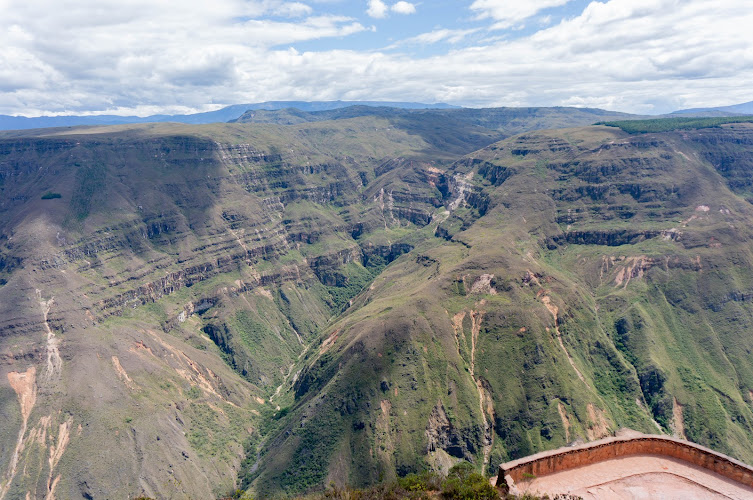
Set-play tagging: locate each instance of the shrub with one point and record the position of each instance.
(461, 471)
(49, 195)
(237, 495)
(282, 413)
(425, 481)
(464, 483)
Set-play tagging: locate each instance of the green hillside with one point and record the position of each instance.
(352, 299)
(592, 281)
(669, 124)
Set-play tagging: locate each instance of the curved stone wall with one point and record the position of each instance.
(633, 443)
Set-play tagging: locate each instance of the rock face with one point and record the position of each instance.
(606, 302)
(165, 296)
(441, 435)
(276, 307)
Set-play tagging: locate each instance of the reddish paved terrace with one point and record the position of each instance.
(632, 466)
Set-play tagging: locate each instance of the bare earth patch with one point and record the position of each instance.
(54, 361)
(598, 426)
(678, 422)
(122, 374)
(24, 384)
(483, 285)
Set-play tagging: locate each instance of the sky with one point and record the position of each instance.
(142, 57)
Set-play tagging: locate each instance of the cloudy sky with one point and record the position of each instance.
(154, 56)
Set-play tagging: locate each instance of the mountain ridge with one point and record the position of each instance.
(281, 306)
(745, 108)
(224, 114)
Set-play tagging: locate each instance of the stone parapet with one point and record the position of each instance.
(631, 443)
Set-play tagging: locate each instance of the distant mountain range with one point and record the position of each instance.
(745, 108)
(236, 112)
(225, 114)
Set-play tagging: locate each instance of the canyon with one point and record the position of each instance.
(277, 304)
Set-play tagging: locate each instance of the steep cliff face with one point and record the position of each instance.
(335, 303)
(580, 281)
(152, 311)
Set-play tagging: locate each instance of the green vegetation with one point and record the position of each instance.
(613, 214)
(424, 481)
(444, 132)
(90, 188)
(210, 435)
(461, 483)
(308, 466)
(669, 124)
(49, 195)
(352, 281)
(193, 393)
(304, 294)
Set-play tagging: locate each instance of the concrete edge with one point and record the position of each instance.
(630, 443)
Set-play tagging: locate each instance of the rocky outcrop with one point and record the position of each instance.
(377, 255)
(442, 434)
(606, 238)
(228, 344)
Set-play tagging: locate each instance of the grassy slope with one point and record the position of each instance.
(447, 130)
(241, 244)
(649, 287)
(256, 230)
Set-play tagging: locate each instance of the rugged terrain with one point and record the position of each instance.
(354, 299)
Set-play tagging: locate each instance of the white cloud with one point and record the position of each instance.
(293, 9)
(403, 8)
(509, 12)
(146, 56)
(377, 9)
(436, 36)
(634, 55)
